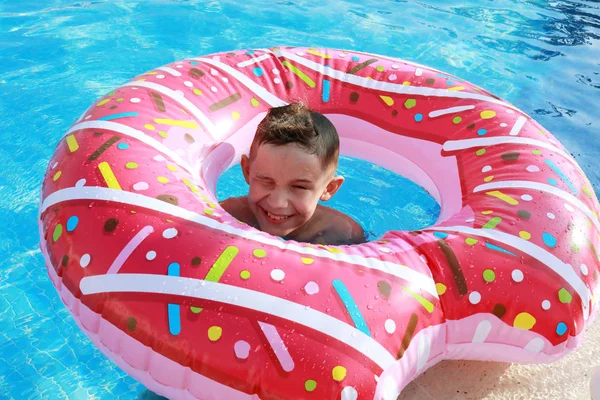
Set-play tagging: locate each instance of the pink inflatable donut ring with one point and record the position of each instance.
(194, 304)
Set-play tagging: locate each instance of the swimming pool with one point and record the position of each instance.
(59, 56)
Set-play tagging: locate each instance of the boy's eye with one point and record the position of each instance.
(300, 187)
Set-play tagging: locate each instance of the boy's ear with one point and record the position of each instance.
(332, 187)
(245, 162)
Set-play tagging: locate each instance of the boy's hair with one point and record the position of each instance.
(295, 123)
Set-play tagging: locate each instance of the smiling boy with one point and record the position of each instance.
(291, 166)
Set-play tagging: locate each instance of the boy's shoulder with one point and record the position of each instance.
(238, 207)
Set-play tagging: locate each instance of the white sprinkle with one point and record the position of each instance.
(392, 77)
(160, 76)
(277, 80)
(311, 288)
(550, 215)
(349, 393)
(84, 261)
(134, 100)
(180, 93)
(342, 55)
(54, 165)
(179, 66)
(275, 71)
(546, 304)
(395, 66)
(385, 250)
(242, 349)
(188, 84)
(80, 183)
(418, 72)
(569, 208)
(470, 220)
(214, 72)
(423, 258)
(474, 297)
(487, 168)
(504, 124)
(508, 110)
(517, 275)
(151, 255)
(526, 197)
(584, 269)
(277, 275)
(224, 79)
(159, 157)
(169, 233)
(140, 186)
(213, 88)
(390, 326)
(532, 168)
(88, 117)
(299, 53)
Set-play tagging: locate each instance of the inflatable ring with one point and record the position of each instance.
(194, 304)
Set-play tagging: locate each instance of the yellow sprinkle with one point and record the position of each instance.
(109, 176)
(387, 100)
(195, 310)
(503, 197)
(189, 184)
(587, 191)
(480, 152)
(380, 68)
(103, 102)
(470, 241)
(456, 120)
(536, 152)
(163, 134)
(245, 274)
(525, 235)
(410, 103)
(338, 373)
(406, 83)
(214, 333)
(422, 300)
(488, 178)
(307, 261)
(457, 88)
(441, 288)
(162, 179)
(305, 78)
(197, 92)
(235, 115)
(149, 127)
(120, 99)
(487, 212)
(131, 165)
(317, 53)
(524, 321)
(259, 253)
(334, 250)
(72, 143)
(487, 114)
(174, 122)
(172, 168)
(208, 211)
(254, 102)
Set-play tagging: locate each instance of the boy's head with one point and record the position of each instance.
(291, 166)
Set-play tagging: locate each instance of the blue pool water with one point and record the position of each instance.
(57, 57)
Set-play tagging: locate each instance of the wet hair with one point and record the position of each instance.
(295, 123)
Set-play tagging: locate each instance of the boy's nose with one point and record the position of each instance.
(278, 200)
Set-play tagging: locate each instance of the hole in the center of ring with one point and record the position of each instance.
(377, 198)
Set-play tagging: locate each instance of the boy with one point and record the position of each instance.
(291, 166)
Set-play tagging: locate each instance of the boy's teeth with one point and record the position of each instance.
(275, 216)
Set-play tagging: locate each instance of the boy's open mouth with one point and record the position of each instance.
(274, 218)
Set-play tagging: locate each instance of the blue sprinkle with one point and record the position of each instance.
(440, 235)
(552, 181)
(173, 269)
(250, 52)
(326, 90)
(72, 223)
(351, 306)
(500, 249)
(449, 83)
(548, 239)
(481, 132)
(194, 62)
(174, 310)
(561, 328)
(257, 71)
(120, 115)
(418, 117)
(562, 176)
(355, 58)
(123, 146)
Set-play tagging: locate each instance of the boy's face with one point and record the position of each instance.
(286, 184)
